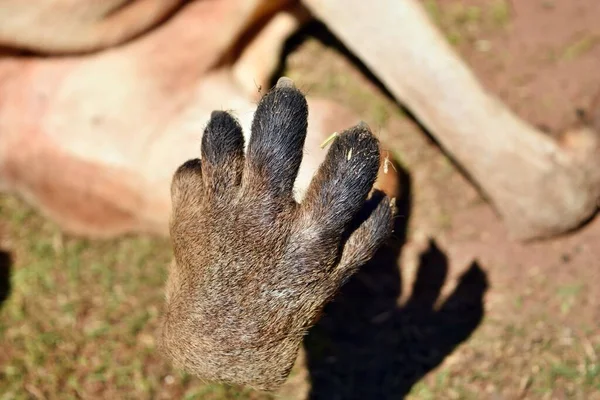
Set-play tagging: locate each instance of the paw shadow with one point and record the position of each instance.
(5, 270)
(367, 346)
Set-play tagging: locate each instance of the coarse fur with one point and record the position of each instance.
(252, 267)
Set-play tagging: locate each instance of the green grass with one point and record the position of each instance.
(500, 13)
(467, 24)
(568, 296)
(81, 317)
(579, 47)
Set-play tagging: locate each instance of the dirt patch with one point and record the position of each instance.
(540, 56)
(466, 313)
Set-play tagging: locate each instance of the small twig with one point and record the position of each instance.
(35, 392)
(329, 139)
(589, 349)
(258, 87)
(524, 386)
(387, 163)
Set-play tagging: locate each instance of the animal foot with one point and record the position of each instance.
(253, 268)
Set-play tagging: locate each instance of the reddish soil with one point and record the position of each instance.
(543, 62)
(535, 306)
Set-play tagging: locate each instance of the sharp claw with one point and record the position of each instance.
(285, 82)
(363, 125)
(215, 114)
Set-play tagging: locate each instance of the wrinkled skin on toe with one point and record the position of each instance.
(253, 268)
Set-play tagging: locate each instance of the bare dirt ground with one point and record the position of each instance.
(465, 313)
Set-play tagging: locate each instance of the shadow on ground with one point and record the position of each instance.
(367, 346)
(5, 268)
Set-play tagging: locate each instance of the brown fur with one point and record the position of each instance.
(253, 268)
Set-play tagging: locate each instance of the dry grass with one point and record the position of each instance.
(80, 318)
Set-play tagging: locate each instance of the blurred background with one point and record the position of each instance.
(456, 311)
